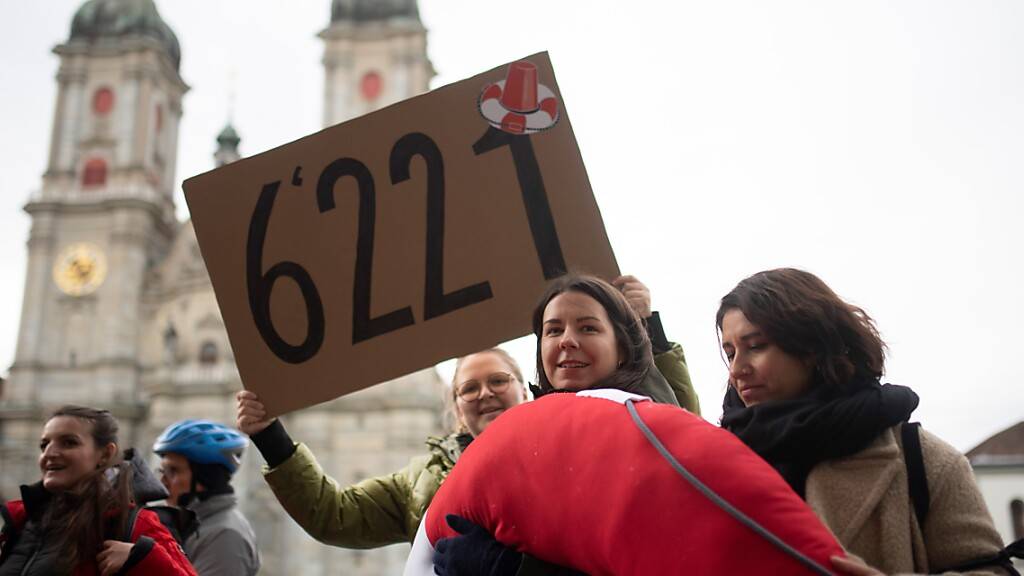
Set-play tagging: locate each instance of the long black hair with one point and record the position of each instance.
(95, 509)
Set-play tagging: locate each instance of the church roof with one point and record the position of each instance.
(98, 19)
(1004, 449)
(359, 11)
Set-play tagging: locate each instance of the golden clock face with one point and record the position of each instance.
(80, 269)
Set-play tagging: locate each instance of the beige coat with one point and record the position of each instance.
(864, 499)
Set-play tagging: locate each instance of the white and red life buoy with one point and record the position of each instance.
(519, 104)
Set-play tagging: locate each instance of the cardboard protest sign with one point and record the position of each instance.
(399, 239)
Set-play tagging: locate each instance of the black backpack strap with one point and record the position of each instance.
(916, 479)
(917, 482)
(182, 523)
(140, 547)
(129, 525)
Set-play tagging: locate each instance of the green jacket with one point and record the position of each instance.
(373, 513)
(672, 365)
(388, 509)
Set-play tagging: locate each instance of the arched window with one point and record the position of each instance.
(1017, 518)
(170, 345)
(158, 139)
(208, 353)
(103, 101)
(95, 172)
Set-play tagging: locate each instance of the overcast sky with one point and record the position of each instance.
(876, 144)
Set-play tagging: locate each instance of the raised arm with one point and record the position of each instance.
(372, 513)
(668, 356)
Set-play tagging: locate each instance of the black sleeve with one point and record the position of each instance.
(274, 443)
(139, 550)
(533, 566)
(659, 342)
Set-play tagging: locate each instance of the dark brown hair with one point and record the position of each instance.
(80, 517)
(630, 332)
(798, 312)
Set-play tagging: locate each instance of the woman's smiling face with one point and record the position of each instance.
(480, 371)
(68, 453)
(578, 346)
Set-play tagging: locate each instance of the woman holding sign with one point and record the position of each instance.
(804, 394)
(388, 509)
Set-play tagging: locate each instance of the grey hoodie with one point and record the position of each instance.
(224, 544)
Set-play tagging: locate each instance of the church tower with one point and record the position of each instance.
(227, 146)
(119, 311)
(103, 216)
(375, 54)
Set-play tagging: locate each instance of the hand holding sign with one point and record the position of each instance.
(251, 415)
(636, 293)
(396, 240)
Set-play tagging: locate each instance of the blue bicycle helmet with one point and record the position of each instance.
(203, 442)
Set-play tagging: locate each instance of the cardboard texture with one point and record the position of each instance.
(282, 234)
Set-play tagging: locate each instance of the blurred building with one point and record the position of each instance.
(999, 467)
(119, 311)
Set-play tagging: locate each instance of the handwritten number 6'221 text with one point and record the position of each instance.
(436, 301)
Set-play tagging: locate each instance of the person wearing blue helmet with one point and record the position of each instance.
(197, 461)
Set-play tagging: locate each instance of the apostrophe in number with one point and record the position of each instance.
(297, 176)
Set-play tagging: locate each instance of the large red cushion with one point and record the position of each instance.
(572, 480)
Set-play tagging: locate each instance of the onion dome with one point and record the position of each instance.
(360, 11)
(227, 146)
(228, 138)
(101, 19)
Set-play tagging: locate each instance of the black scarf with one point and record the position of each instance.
(795, 435)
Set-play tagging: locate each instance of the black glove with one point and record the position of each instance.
(474, 553)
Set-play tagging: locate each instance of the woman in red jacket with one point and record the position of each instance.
(80, 518)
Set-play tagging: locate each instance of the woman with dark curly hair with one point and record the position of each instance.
(805, 394)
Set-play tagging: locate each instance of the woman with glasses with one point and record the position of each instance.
(388, 509)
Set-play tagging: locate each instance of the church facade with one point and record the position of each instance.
(118, 309)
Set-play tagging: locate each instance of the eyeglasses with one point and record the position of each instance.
(471, 390)
(169, 473)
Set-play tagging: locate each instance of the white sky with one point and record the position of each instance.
(877, 144)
